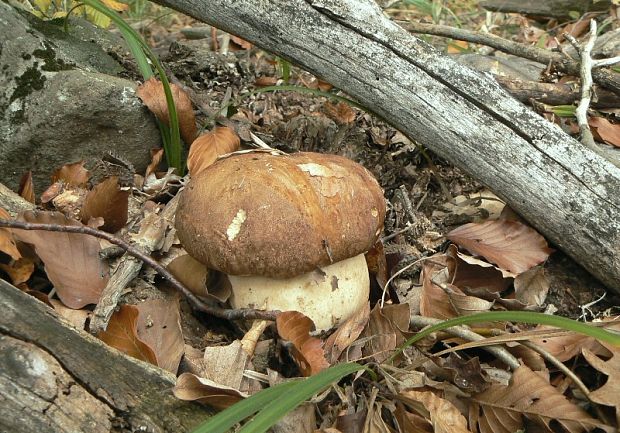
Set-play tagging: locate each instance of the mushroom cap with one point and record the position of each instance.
(279, 215)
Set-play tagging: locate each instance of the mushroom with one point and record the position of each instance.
(290, 231)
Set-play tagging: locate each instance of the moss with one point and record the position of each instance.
(30, 80)
(50, 62)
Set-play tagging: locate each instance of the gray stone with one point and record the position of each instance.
(60, 100)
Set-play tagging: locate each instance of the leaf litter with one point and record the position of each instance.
(493, 263)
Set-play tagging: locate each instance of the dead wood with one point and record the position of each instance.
(547, 8)
(54, 378)
(566, 191)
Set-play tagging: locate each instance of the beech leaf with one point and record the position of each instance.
(108, 201)
(26, 187)
(510, 245)
(73, 174)
(153, 96)
(7, 242)
(206, 148)
(122, 334)
(71, 260)
(308, 351)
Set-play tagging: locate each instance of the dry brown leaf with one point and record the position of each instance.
(469, 276)
(73, 174)
(265, 81)
(71, 260)
(7, 241)
(153, 96)
(308, 354)
(108, 201)
(605, 131)
(465, 304)
(242, 43)
(608, 394)
(206, 148)
(159, 327)
(122, 334)
(377, 264)
(191, 273)
(26, 187)
(411, 423)
(156, 157)
(76, 317)
(467, 374)
(434, 301)
(190, 387)
(443, 415)
(340, 112)
(531, 287)
(346, 334)
(503, 409)
(385, 330)
(19, 270)
(508, 244)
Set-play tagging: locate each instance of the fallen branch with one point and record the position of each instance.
(606, 78)
(196, 303)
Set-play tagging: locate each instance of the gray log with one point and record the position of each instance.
(546, 8)
(567, 192)
(54, 378)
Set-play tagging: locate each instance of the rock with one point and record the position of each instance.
(60, 100)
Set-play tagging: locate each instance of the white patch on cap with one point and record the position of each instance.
(316, 169)
(235, 226)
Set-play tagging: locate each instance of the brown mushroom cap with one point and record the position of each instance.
(279, 215)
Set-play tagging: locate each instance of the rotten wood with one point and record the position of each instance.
(566, 191)
(55, 378)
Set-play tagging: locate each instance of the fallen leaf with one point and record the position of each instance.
(532, 286)
(434, 301)
(114, 5)
(206, 148)
(159, 327)
(242, 43)
(153, 96)
(308, 351)
(346, 334)
(190, 387)
(19, 270)
(26, 187)
(73, 174)
(122, 334)
(442, 415)
(607, 394)
(467, 374)
(340, 112)
(264, 81)
(156, 157)
(504, 409)
(508, 244)
(71, 260)
(108, 201)
(385, 330)
(473, 274)
(377, 264)
(7, 241)
(605, 131)
(191, 273)
(77, 318)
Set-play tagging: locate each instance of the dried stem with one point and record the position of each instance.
(197, 304)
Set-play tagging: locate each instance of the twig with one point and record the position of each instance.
(466, 334)
(606, 78)
(197, 304)
(585, 53)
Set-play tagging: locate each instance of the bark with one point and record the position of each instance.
(546, 8)
(54, 378)
(567, 192)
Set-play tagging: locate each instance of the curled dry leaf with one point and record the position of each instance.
(532, 286)
(159, 327)
(108, 201)
(71, 260)
(76, 317)
(122, 334)
(206, 148)
(190, 387)
(434, 301)
(605, 131)
(443, 415)
(607, 394)
(156, 157)
(191, 273)
(346, 334)
(7, 242)
(26, 187)
(73, 174)
(510, 245)
(385, 330)
(308, 351)
(340, 112)
(19, 270)
(504, 409)
(153, 96)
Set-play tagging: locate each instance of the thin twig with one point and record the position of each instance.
(467, 334)
(197, 304)
(585, 53)
(606, 78)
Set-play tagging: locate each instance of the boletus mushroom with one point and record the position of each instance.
(290, 231)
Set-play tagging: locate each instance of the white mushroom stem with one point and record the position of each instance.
(328, 295)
